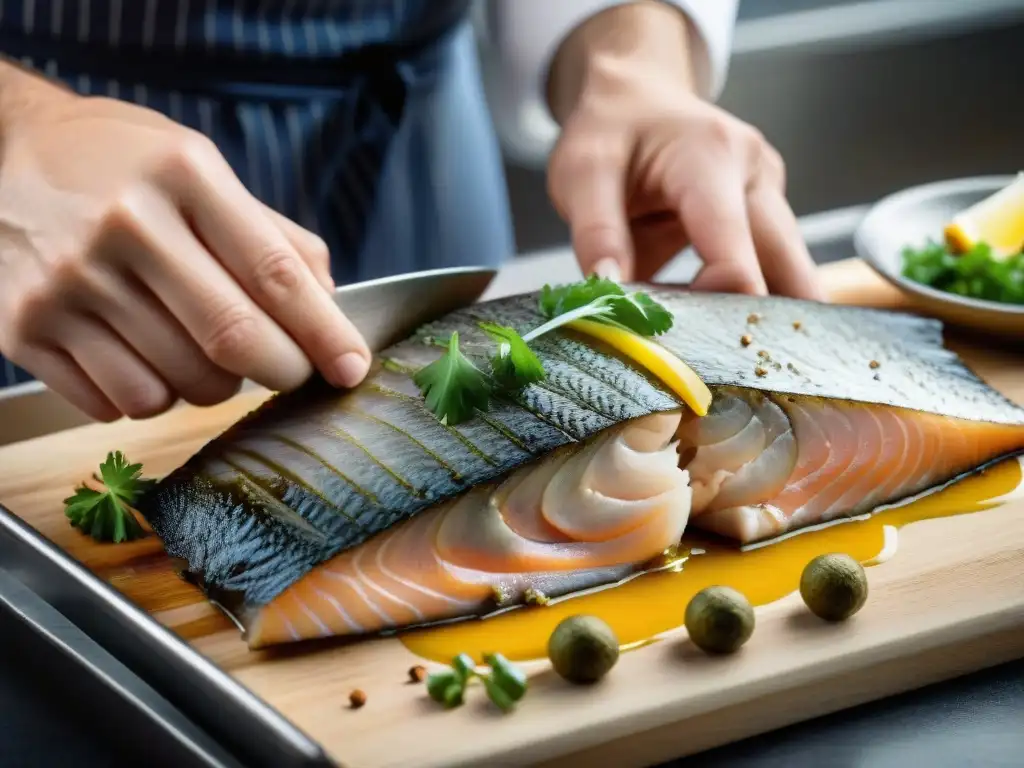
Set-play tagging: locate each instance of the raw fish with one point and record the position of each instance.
(345, 513)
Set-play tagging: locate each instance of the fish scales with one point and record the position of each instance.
(321, 448)
(316, 473)
(835, 347)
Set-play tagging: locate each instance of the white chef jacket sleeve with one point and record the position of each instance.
(524, 35)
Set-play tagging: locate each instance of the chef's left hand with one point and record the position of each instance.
(645, 167)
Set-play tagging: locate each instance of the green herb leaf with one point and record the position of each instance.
(514, 365)
(977, 274)
(641, 314)
(565, 298)
(605, 301)
(453, 387)
(106, 515)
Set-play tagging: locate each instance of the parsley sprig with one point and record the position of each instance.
(455, 388)
(107, 515)
(505, 685)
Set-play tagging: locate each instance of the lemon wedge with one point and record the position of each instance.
(675, 374)
(998, 220)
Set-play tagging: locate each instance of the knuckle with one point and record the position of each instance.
(185, 156)
(576, 159)
(753, 137)
(27, 313)
(67, 270)
(721, 132)
(231, 332)
(774, 165)
(277, 275)
(123, 215)
(584, 153)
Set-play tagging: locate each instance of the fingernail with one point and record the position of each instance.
(349, 369)
(608, 268)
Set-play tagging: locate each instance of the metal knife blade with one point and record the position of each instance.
(390, 308)
(383, 310)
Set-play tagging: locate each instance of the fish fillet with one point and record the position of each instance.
(345, 513)
(567, 523)
(764, 465)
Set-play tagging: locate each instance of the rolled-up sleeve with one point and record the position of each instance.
(522, 37)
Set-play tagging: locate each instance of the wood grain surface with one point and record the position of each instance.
(951, 602)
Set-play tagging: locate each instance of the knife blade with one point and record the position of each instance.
(384, 310)
(388, 309)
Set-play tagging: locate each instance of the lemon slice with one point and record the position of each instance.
(998, 220)
(676, 375)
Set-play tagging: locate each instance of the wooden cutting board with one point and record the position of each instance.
(951, 602)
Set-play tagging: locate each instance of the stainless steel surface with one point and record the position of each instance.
(383, 310)
(861, 99)
(32, 409)
(124, 712)
(390, 308)
(232, 715)
(911, 218)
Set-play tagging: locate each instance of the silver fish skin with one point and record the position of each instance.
(316, 472)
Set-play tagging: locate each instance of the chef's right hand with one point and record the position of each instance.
(135, 268)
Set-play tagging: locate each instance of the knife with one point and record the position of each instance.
(384, 310)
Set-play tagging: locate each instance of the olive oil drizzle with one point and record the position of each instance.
(649, 605)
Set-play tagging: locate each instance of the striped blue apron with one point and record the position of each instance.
(363, 120)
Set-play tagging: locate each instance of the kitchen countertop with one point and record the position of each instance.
(974, 720)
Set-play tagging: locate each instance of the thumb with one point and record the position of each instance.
(593, 202)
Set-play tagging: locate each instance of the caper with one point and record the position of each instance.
(583, 649)
(834, 586)
(719, 620)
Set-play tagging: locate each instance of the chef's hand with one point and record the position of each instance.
(645, 167)
(136, 269)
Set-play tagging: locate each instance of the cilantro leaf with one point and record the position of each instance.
(107, 515)
(641, 314)
(565, 298)
(453, 387)
(515, 365)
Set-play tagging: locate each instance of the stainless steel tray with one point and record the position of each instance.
(112, 643)
(125, 715)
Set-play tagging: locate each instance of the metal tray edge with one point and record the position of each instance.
(52, 635)
(233, 715)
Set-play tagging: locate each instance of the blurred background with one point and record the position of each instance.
(861, 98)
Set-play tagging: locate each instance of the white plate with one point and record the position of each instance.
(910, 218)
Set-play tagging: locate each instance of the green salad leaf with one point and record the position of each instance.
(977, 274)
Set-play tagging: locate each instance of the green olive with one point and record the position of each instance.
(834, 586)
(719, 620)
(583, 649)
